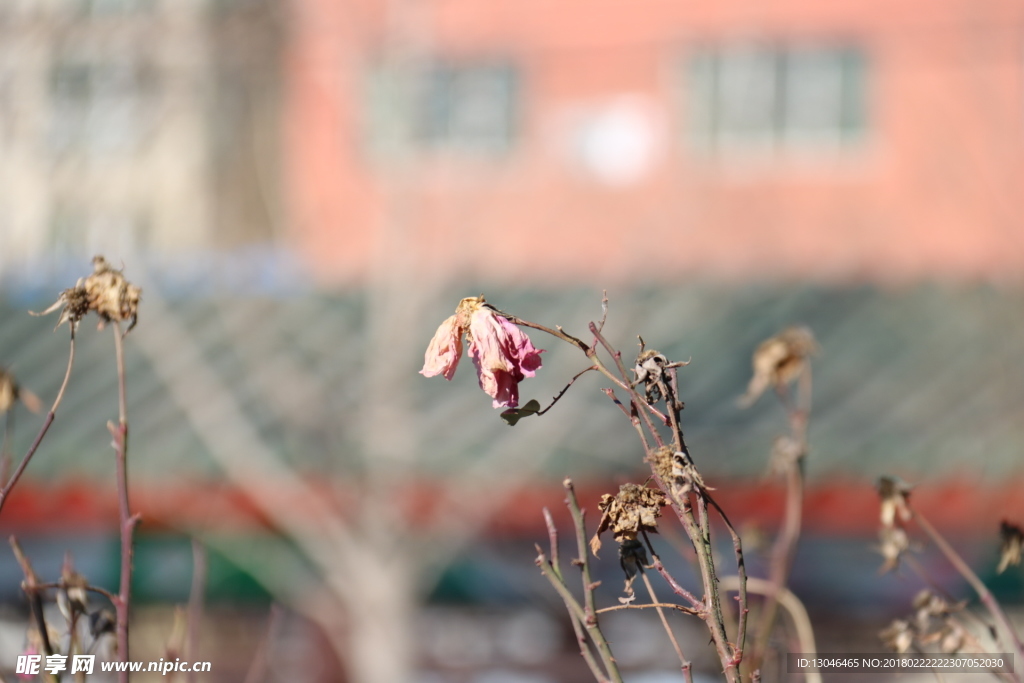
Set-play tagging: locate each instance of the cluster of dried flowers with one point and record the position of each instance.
(106, 292)
(934, 622)
(502, 353)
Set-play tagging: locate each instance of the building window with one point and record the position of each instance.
(446, 106)
(100, 107)
(766, 98)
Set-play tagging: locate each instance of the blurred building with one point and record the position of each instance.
(844, 140)
(133, 126)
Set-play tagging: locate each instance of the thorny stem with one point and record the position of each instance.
(128, 521)
(627, 385)
(792, 605)
(649, 605)
(684, 663)
(980, 588)
(698, 606)
(741, 571)
(590, 613)
(42, 431)
(554, 565)
(699, 533)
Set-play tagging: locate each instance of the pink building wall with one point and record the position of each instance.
(933, 191)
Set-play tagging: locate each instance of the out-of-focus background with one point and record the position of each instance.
(305, 188)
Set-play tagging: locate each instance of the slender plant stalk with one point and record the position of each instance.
(5, 450)
(641, 414)
(194, 619)
(590, 612)
(552, 570)
(128, 521)
(6, 490)
(986, 597)
(784, 548)
(258, 669)
(685, 665)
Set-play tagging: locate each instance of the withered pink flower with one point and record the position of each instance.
(502, 353)
(444, 351)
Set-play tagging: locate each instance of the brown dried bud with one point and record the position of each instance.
(779, 360)
(105, 291)
(893, 542)
(894, 494)
(676, 470)
(898, 636)
(1010, 549)
(11, 392)
(649, 371)
(634, 509)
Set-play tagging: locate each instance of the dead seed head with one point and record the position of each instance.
(1011, 546)
(778, 361)
(634, 509)
(893, 542)
(650, 371)
(106, 292)
(934, 621)
(894, 494)
(898, 636)
(11, 393)
(661, 462)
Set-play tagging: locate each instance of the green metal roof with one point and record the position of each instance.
(921, 381)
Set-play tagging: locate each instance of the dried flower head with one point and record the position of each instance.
(778, 361)
(502, 353)
(11, 392)
(676, 471)
(650, 371)
(661, 461)
(1011, 546)
(893, 542)
(634, 509)
(898, 636)
(894, 493)
(934, 622)
(633, 560)
(106, 292)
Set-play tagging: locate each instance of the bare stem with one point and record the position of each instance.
(195, 604)
(5, 450)
(127, 520)
(590, 612)
(986, 597)
(566, 388)
(32, 591)
(258, 669)
(684, 663)
(42, 431)
(784, 548)
(574, 609)
(741, 571)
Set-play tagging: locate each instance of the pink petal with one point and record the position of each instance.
(444, 351)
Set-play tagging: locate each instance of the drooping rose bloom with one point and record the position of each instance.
(502, 353)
